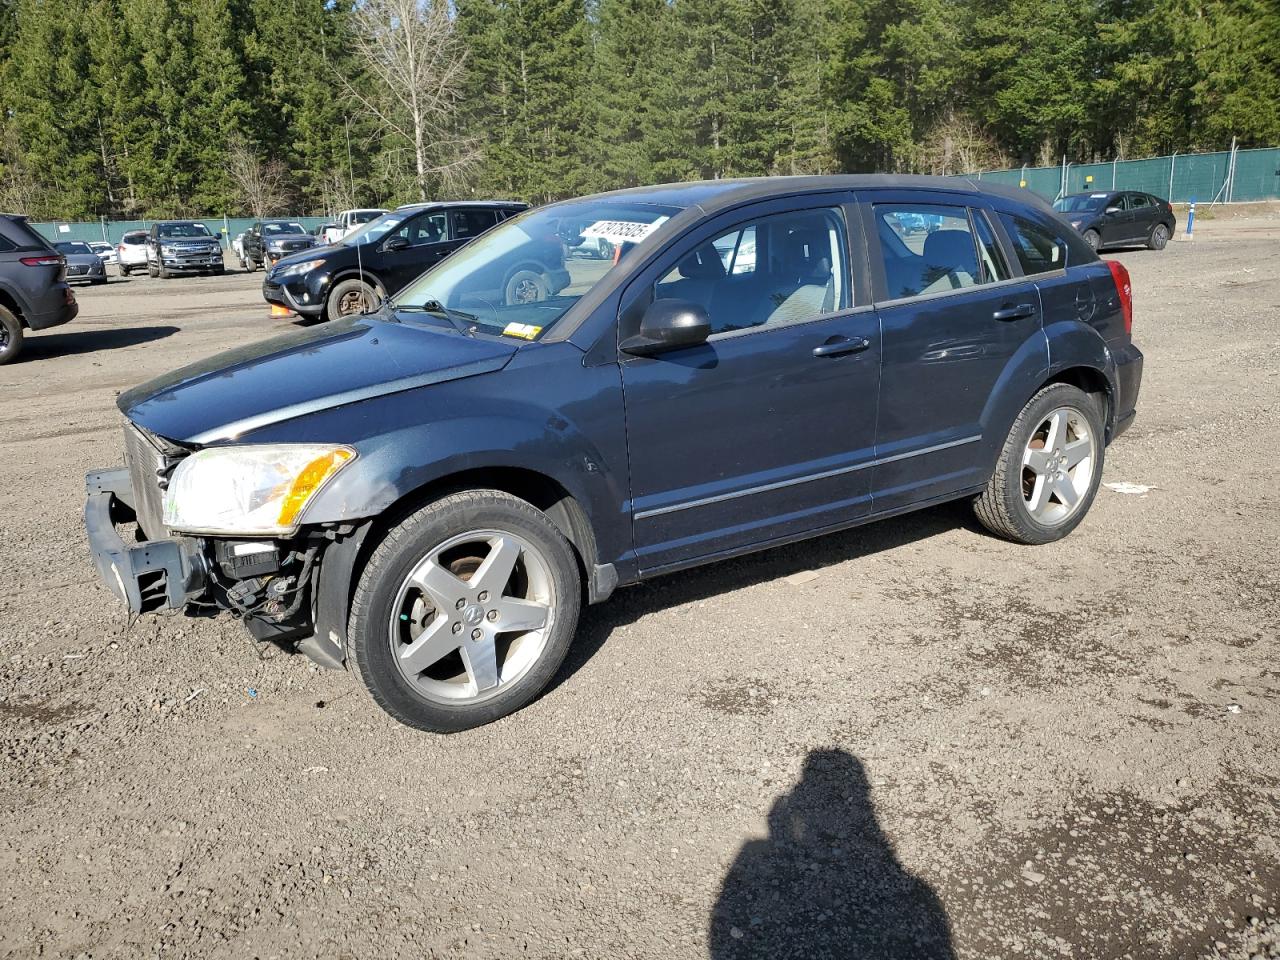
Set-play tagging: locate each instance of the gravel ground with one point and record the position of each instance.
(909, 740)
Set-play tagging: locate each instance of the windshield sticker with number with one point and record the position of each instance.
(622, 231)
(525, 331)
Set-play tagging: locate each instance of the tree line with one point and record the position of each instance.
(150, 108)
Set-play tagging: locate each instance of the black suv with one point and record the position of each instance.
(33, 285)
(427, 495)
(365, 267)
(182, 246)
(1126, 218)
(269, 241)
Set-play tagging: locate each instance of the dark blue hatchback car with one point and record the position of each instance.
(428, 494)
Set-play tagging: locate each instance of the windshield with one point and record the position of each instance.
(518, 279)
(73, 247)
(375, 230)
(183, 230)
(275, 228)
(1081, 202)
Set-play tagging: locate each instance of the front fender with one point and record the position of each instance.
(545, 413)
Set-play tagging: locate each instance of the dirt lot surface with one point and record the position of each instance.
(910, 740)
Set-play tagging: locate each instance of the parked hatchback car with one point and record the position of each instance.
(33, 287)
(356, 274)
(131, 251)
(428, 494)
(182, 246)
(83, 265)
(1119, 218)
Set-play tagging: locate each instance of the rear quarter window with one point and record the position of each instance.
(1038, 249)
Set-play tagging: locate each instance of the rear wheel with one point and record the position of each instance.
(1093, 238)
(125, 271)
(1049, 469)
(10, 335)
(1159, 237)
(525, 286)
(464, 612)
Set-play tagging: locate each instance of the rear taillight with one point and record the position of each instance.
(47, 260)
(1124, 291)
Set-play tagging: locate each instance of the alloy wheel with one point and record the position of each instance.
(1160, 236)
(473, 616)
(1057, 466)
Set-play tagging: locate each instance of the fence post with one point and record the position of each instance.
(1113, 173)
(1231, 175)
(1172, 160)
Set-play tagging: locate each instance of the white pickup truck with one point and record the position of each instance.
(347, 221)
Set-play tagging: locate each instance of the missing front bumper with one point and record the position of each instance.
(163, 574)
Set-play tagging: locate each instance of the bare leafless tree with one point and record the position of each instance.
(957, 144)
(410, 50)
(262, 186)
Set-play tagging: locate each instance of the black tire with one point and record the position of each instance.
(525, 286)
(1093, 238)
(125, 271)
(347, 293)
(370, 654)
(1001, 508)
(10, 336)
(1159, 238)
(152, 272)
(162, 271)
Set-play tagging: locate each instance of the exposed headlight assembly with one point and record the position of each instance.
(296, 268)
(251, 489)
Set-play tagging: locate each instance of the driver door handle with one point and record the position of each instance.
(1015, 312)
(839, 346)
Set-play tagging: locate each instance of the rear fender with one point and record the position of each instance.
(1019, 380)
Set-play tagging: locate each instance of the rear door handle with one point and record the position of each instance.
(1015, 313)
(839, 346)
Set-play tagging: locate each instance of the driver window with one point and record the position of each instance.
(775, 271)
(424, 230)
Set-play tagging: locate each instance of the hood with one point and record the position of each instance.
(311, 253)
(301, 373)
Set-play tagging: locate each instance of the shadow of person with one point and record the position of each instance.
(826, 883)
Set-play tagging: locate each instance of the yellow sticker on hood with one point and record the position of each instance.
(525, 331)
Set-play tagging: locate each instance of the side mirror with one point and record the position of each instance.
(1110, 210)
(669, 325)
(396, 243)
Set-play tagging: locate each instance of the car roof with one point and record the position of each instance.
(714, 195)
(516, 204)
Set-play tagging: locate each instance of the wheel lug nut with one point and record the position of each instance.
(492, 615)
(460, 604)
(457, 628)
(476, 634)
(484, 595)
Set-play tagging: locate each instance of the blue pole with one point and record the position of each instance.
(1191, 217)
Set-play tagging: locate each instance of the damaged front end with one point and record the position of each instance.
(271, 583)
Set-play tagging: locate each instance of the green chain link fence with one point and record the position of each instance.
(1181, 178)
(111, 231)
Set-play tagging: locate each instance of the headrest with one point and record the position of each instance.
(703, 264)
(951, 250)
(808, 254)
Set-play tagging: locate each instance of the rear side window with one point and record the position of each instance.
(930, 248)
(470, 223)
(1137, 200)
(1038, 250)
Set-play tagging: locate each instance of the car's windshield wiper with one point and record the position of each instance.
(461, 321)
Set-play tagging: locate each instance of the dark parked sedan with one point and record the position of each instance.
(426, 495)
(1123, 218)
(83, 265)
(362, 269)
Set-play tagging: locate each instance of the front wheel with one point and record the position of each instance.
(10, 336)
(1093, 238)
(525, 286)
(1049, 470)
(152, 272)
(1159, 238)
(351, 298)
(464, 612)
(162, 271)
